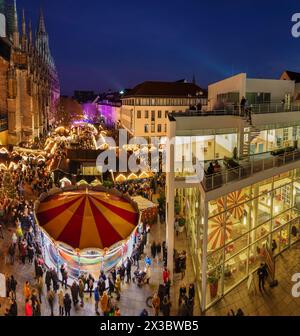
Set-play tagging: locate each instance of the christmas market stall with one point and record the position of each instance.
(148, 210)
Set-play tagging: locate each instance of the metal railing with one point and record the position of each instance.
(243, 170)
(247, 169)
(274, 108)
(235, 110)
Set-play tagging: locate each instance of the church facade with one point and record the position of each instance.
(29, 84)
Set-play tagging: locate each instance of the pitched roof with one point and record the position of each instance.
(166, 89)
(295, 76)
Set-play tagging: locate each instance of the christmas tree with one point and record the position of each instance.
(8, 187)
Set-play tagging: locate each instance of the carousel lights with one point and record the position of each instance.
(3, 151)
(3, 166)
(65, 181)
(143, 175)
(132, 176)
(82, 182)
(121, 178)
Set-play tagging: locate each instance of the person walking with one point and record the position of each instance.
(262, 276)
(182, 293)
(156, 304)
(51, 297)
(27, 290)
(242, 105)
(97, 299)
(40, 286)
(104, 303)
(90, 284)
(128, 270)
(13, 285)
(74, 293)
(28, 308)
(64, 275)
(48, 279)
(153, 250)
(118, 287)
(67, 304)
(166, 306)
(61, 297)
(166, 275)
(81, 292)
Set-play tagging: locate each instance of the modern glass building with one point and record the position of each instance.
(251, 200)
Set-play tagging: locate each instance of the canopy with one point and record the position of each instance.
(144, 203)
(86, 219)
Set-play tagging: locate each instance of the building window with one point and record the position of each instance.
(159, 114)
(159, 128)
(152, 128)
(146, 114)
(165, 128)
(139, 114)
(166, 114)
(285, 134)
(146, 128)
(152, 115)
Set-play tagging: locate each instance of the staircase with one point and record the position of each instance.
(254, 133)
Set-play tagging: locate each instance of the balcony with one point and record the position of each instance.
(247, 169)
(235, 110)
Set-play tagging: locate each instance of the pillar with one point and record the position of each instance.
(170, 194)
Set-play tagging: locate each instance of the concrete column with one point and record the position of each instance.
(170, 195)
(204, 207)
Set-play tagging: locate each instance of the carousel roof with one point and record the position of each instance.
(86, 219)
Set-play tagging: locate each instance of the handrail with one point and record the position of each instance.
(235, 110)
(244, 170)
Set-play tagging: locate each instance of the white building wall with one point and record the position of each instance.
(232, 84)
(278, 88)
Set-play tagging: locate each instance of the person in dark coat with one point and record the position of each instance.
(128, 270)
(166, 306)
(55, 280)
(13, 311)
(262, 276)
(67, 304)
(64, 275)
(191, 292)
(30, 252)
(75, 293)
(90, 284)
(153, 250)
(48, 279)
(13, 284)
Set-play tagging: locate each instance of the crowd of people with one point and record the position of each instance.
(25, 246)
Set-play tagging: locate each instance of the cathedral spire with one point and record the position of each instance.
(16, 37)
(42, 27)
(24, 32)
(30, 35)
(23, 23)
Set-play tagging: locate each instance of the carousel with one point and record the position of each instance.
(86, 228)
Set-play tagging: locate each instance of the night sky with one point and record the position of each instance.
(112, 44)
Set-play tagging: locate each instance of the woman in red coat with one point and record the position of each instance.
(166, 275)
(28, 308)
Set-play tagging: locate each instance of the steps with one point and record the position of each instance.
(253, 134)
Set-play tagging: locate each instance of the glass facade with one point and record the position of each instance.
(270, 140)
(204, 148)
(238, 225)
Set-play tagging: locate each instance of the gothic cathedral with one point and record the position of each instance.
(29, 84)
